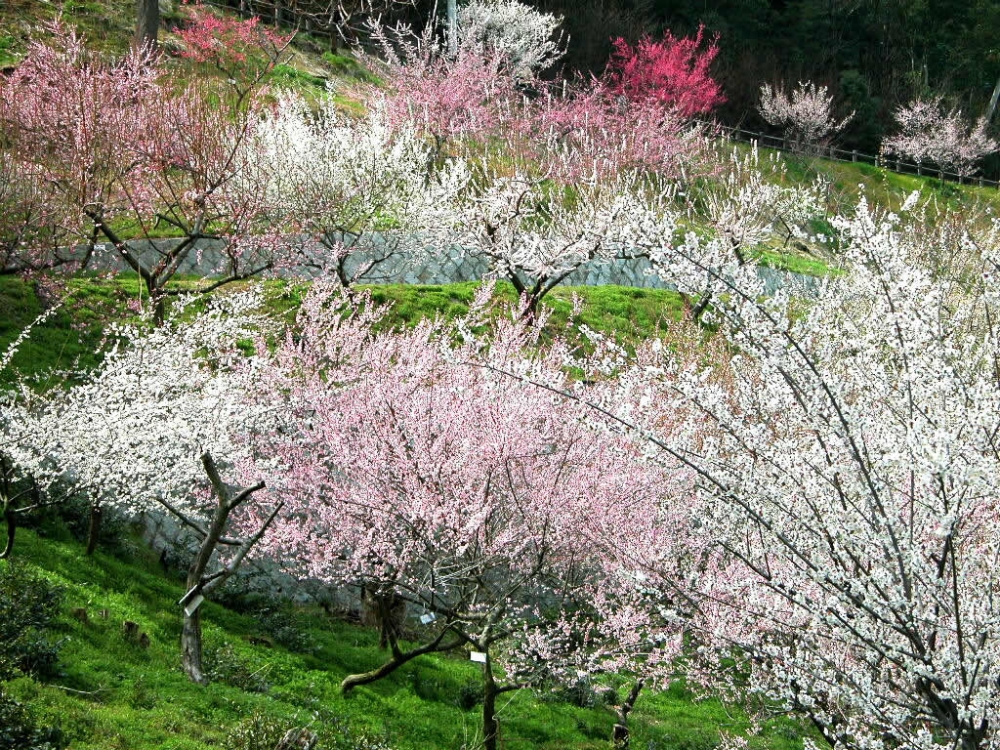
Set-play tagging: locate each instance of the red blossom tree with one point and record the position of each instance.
(673, 72)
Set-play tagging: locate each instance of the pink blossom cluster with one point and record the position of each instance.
(109, 140)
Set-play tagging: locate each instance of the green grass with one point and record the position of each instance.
(68, 339)
(115, 694)
(796, 263)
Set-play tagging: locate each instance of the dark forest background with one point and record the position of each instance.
(873, 54)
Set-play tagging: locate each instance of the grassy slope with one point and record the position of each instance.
(68, 338)
(114, 694)
(139, 699)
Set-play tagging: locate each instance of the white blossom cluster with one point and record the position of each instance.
(806, 113)
(130, 434)
(929, 134)
(846, 455)
(338, 179)
(527, 38)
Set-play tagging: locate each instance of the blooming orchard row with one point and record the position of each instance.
(798, 496)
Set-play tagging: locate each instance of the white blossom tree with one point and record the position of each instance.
(527, 38)
(535, 232)
(844, 453)
(806, 113)
(356, 190)
(929, 134)
(151, 431)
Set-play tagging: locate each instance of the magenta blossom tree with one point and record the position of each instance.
(674, 72)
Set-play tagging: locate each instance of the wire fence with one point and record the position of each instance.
(843, 155)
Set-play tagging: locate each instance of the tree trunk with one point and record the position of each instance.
(159, 308)
(147, 22)
(11, 520)
(453, 28)
(399, 658)
(620, 735)
(199, 582)
(191, 647)
(9, 516)
(94, 527)
(993, 102)
(491, 728)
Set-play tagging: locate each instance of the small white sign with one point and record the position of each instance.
(192, 606)
(478, 656)
(428, 618)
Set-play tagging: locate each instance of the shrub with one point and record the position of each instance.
(223, 664)
(28, 604)
(257, 732)
(286, 629)
(18, 730)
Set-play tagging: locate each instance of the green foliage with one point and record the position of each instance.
(19, 731)
(8, 50)
(259, 731)
(28, 604)
(287, 77)
(347, 66)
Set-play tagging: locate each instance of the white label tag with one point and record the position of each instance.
(192, 606)
(428, 618)
(478, 656)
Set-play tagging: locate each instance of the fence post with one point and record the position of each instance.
(854, 155)
(980, 180)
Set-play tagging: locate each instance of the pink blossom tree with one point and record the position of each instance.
(32, 227)
(72, 122)
(806, 114)
(928, 134)
(455, 492)
(118, 144)
(584, 132)
(674, 72)
(446, 97)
